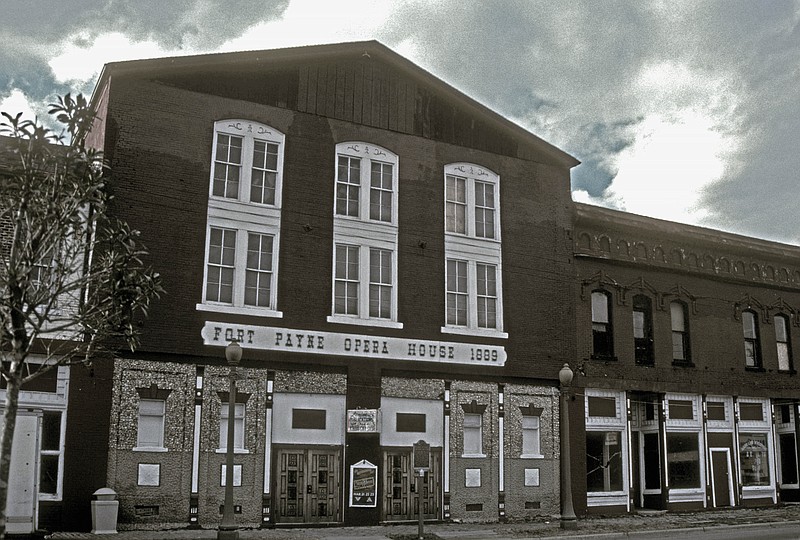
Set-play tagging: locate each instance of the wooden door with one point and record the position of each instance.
(721, 477)
(308, 485)
(401, 489)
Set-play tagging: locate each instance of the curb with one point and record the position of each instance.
(665, 533)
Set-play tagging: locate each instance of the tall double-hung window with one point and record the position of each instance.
(365, 236)
(243, 220)
(473, 277)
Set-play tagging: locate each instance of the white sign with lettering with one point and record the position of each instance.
(331, 343)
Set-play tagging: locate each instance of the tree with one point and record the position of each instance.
(72, 276)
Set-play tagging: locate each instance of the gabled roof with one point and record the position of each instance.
(318, 53)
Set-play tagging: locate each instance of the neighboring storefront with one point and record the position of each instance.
(681, 451)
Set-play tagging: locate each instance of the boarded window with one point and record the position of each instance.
(308, 418)
(680, 409)
(751, 411)
(410, 423)
(716, 410)
(605, 407)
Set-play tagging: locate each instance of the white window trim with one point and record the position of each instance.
(238, 306)
(160, 448)
(538, 430)
(474, 173)
(379, 235)
(221, 449)
(367, 152)
(249, 131)
(245, 216)
(474, 250)
(472, 328)
(480, 454)
(603, 424)
(58, 495)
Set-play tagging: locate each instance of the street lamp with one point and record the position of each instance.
(568, 518)
(227, 527)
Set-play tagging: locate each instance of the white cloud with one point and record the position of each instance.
(671, 161)
(82, 58)
(18, 102)
(307, 22)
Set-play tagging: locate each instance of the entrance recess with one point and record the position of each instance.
(401, 500)
(308, 485)
(721, 481)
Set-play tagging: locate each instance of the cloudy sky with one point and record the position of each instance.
(686, 110)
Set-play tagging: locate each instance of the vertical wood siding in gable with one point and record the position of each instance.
(363, 91)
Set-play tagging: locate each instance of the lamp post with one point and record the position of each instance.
(227, 527)
(568, 518)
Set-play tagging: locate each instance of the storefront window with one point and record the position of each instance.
(683, 460)
(604, 461)
(754, 454)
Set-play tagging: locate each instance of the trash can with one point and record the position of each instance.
(104, 511)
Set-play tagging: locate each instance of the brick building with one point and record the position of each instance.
(685, 341)
(395, 260)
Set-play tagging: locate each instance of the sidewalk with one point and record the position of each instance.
(600, 528)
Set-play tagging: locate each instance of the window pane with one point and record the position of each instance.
(348, 183)
(487, 296)
(638, 324)
(258, 274)
(221, 257)
(530, 435)
(716, 410)
(754, 456)
(603, 461)
(678, 349)
(780, 329)
(683, 460)
(151, 423)
(457, 295)
(227, 166)
(51, 430)
(472, 434)
(749, 325)
(380, 289)
(380, 207)
(678, 320)
(680, 409)
(48, 475)
(346, 280)
(599, 307)
(264, 173)
(484, 210)
(238, 425)
(456, 204)
(783, 357)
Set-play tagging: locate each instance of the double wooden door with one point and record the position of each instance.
(402, 491)
(308, 485)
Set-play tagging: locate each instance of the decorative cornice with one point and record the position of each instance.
(695, 259)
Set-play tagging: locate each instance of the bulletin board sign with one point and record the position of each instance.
(362, 421)
(363, 484)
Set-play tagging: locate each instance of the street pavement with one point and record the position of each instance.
(652, 525)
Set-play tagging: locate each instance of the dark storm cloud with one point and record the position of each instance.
(33, 31)
(172, 24)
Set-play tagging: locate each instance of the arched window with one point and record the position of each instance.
(643, 330)
(243, 220)
(602, 330)
(680, 333)
(783, 342)
(752, 346)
